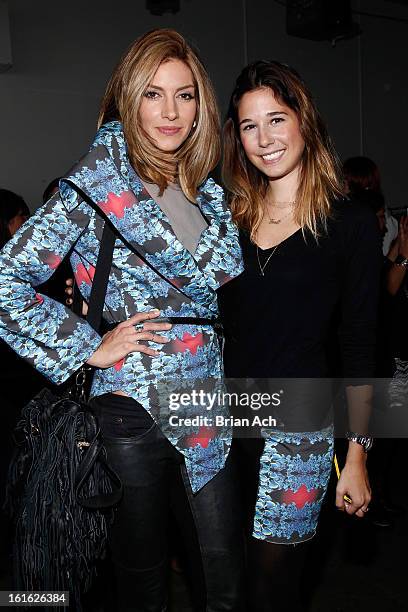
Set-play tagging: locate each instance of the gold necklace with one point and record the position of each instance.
(262, 268)
(274, 221)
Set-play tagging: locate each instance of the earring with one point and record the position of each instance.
(194, 124)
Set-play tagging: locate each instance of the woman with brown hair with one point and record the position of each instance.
(309, 256)
(145, 175)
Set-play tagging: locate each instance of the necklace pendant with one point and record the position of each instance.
(262, 267)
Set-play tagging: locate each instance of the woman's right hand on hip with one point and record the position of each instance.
(125, 339)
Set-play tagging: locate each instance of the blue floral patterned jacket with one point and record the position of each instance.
(151, 269)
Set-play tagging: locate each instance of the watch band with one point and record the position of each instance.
(365, 441)
(401, 261)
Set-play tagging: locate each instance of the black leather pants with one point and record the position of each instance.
(156, 491)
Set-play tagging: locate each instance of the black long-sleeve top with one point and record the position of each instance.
(280, 324)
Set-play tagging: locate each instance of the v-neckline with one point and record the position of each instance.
(275, 246)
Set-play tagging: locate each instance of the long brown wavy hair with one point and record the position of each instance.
(200, 153)
(320, 174)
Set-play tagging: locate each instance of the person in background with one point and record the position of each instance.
(397, 288)
(363, 180)
(13, 213)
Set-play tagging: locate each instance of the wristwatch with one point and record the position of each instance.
(365, 441)
(401, 261)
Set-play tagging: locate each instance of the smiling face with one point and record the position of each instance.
(270, 135)
(169, 105)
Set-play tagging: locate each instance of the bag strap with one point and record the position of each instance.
(100, 280)
(128, 245)
(96, 452)
(103, 264)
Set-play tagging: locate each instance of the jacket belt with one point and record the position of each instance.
(216, 323)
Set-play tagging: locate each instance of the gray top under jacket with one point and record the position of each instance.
(185, 217)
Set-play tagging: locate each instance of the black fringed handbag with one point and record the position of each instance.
(61, 491)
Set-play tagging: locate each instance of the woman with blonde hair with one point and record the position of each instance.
(145, 175)
(310, 257)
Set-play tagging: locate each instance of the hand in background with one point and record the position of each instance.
(69, 300)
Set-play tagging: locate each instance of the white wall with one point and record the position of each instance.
(64, 52)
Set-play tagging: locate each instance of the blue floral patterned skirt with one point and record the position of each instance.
(294, 474)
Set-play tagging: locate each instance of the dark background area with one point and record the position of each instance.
(64, 52)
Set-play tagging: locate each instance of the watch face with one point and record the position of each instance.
(365, 441)
(368, 444)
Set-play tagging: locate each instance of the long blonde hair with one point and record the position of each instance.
(200, 152)
(320, 174)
